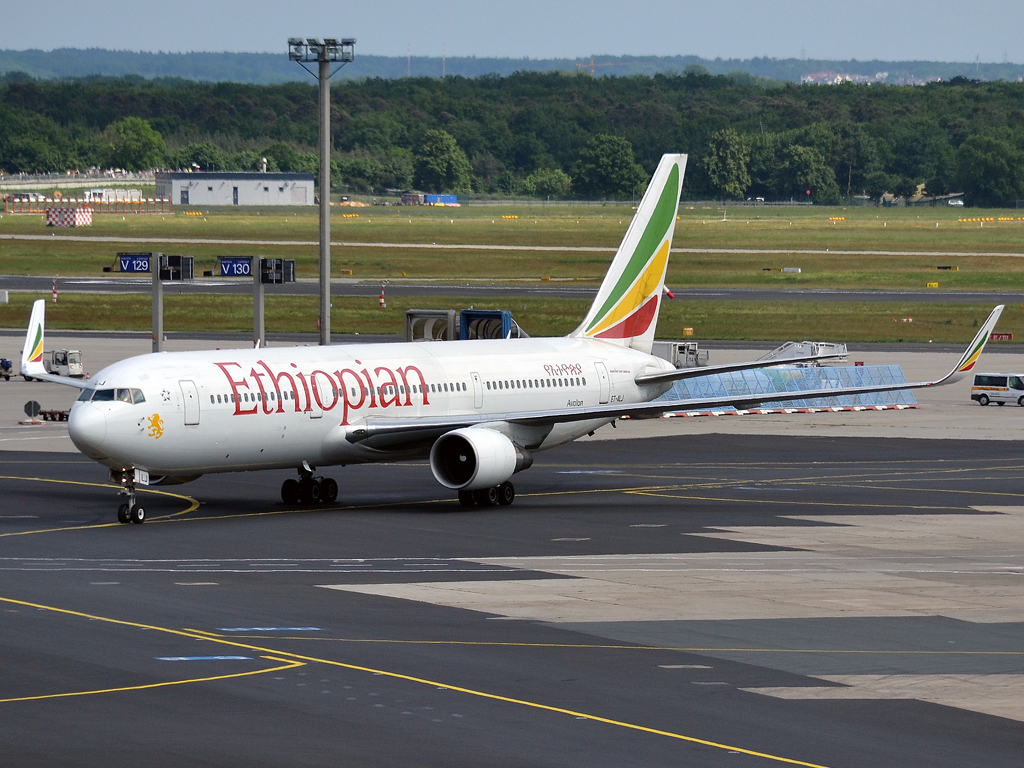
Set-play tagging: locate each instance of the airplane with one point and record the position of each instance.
(478, 410)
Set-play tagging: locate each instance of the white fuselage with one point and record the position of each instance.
(236, 410)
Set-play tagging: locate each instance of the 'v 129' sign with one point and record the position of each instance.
(133, 262)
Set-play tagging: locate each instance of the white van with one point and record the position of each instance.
(998, 388)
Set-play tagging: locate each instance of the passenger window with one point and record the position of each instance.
(212, 400)
(584, 381)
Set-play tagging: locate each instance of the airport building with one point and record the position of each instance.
(229, 188)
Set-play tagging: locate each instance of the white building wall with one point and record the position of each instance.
(250, 191)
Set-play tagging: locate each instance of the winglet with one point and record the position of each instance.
(974, 349)
(32, 352)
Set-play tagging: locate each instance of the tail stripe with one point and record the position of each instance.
(655, 235)
(634, 325)
(37, 347)
(638, 294)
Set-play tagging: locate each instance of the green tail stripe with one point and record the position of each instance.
(35, 344)
(657, 228)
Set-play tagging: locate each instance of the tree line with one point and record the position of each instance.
(542, 134)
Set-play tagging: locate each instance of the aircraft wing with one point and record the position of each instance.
(381, 432)
(693, 373)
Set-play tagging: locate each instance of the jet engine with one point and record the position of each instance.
(473, 458)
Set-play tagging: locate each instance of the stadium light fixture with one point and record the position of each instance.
(324, 52)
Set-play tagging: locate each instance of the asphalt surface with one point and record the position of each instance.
(202, 637)
(484, 289)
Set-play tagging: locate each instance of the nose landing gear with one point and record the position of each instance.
(309, 489)
(131, 511)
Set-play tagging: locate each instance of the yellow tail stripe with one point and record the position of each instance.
(646, 284)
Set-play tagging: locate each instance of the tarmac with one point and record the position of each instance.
(839, 589)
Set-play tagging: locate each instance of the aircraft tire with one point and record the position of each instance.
(506, 493)
(486, 497)
(466, 498)
(122, 514)
(983, 400)
(138, 515)
(328, 490)
(309, 491)
(290, 491)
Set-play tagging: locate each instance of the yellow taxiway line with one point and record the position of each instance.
(286, 665)
(424, 681)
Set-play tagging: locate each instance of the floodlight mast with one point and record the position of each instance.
(325, 52)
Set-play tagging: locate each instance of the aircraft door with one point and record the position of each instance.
(190, 397)
(315, 411)
(602, 378)
(478, 391)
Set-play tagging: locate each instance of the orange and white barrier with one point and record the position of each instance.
(770, 411)
(31, 203)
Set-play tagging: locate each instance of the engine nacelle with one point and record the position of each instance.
(475, 457)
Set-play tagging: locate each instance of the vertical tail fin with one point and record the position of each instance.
(626, 308)
(32, 352)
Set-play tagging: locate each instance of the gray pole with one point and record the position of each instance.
(158, 303)
(258, 323)
(325, 198)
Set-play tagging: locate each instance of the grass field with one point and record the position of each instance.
(787, 229)
(756, 321)
(976, 247)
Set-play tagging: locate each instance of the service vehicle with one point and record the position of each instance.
(62, 362)
(999, 388)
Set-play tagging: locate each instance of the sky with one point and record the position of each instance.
(936, 30)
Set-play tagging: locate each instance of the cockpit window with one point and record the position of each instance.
(138, 397)
(86, 396)
(103, 395)
(123, 395)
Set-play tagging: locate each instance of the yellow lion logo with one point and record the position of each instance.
(156, 426)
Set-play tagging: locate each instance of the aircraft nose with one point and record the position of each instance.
(87, 426)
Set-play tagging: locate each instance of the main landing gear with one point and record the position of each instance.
(130, 511)
(308, 489)
(503, 494)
